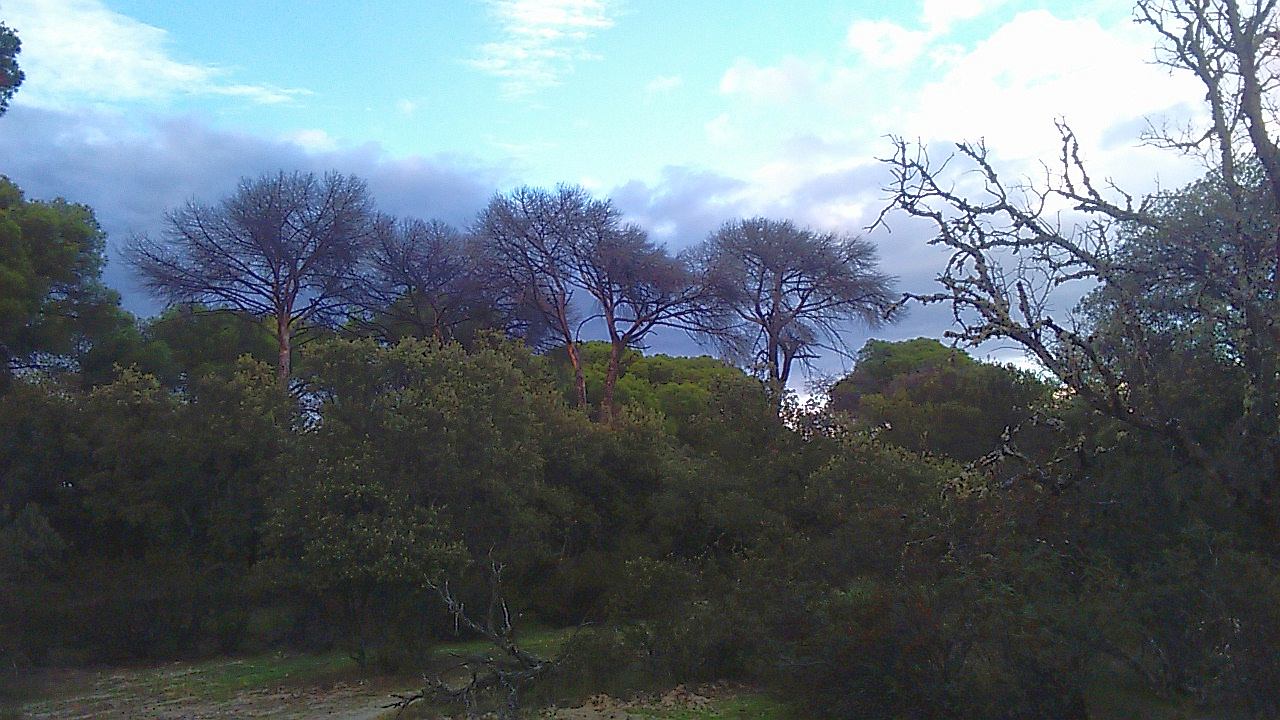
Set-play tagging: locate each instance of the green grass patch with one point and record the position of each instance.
(540, 641)
(224, 678)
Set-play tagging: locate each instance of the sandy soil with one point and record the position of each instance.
(679, 698)
(121, 695)
(172, 692)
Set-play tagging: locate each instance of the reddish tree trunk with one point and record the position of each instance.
(285, 350)
(579, 378)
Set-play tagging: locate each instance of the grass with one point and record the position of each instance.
(219, 679)
(223, 681)
(540, 641)
(1110, 695)
(1114, 693)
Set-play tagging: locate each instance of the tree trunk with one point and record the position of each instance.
(608, 408)
(284, 344)
(579, 378)
(776, 381)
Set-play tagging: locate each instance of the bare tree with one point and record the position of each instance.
(283, 246)
(528, 239)
(637, 287)
(416, 280)
(508, 672)
(547, 245)
(422, 280)
(1219, 266)
(790, 292)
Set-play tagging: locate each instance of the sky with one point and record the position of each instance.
(686, 113)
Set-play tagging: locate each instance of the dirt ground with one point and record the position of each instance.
(677, 701)
(204, 692)
(165, 695)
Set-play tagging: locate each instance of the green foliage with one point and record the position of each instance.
(452, 429)
(179, 347)
(43, 452)
(11, 75)
(691, 395)
(158, 498)
(29, 545)
(344, 538)
(52, 300)
(927, 397)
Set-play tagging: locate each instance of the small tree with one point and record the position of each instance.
(789, 292)
(418, 282)
(284, 246)
(925, 396)
(423, 280)
(544, 246)
(506, 673)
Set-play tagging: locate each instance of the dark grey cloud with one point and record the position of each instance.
(131, 172)
(684, 206)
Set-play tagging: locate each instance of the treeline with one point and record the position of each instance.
(312, 252)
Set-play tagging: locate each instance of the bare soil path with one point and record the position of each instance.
(283, 687)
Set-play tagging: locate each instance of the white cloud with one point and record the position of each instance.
(662, 84)
(77, 51)
(313, 140)
(887, 44)
(720, 130)
(541, 41)
(406, 107)
(1007, 88)
(785, 82)
(1037, 67)
(940, 15)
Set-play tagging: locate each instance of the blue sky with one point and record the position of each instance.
(686, 113)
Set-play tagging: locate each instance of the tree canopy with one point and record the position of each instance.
(927, 397)
(789, 292)
(52, 299)
(284, 247)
